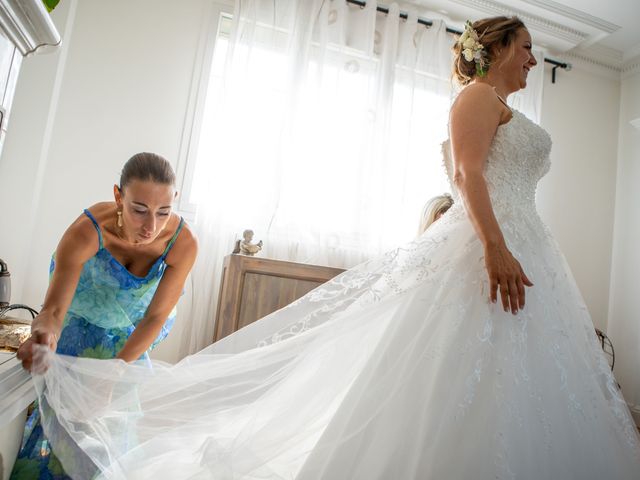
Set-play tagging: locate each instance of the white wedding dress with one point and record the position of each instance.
(397, 369)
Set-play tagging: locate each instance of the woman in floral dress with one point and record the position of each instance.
(116, 277)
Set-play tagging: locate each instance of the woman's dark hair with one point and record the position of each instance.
(494, 34)
(147, 166)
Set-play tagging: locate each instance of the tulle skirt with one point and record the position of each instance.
(400, 368)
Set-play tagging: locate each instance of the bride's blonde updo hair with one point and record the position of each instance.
(494, 34)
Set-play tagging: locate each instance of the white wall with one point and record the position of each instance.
(125, 86)
(24, 152)
(576, 199)
(624, 313)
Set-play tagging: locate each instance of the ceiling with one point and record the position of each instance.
(604, 32)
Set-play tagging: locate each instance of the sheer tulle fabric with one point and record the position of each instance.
(399, 368)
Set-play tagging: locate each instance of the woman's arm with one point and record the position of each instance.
(474, 120)
(78, 244)
(179, 263)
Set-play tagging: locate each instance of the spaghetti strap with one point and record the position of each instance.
(95, 224)
(173, 239)
(501, 99)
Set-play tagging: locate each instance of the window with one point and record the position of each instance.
(339, 169)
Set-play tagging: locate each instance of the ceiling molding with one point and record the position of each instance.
(574, 14)
(585, 57)
(600, 54)
(631, 53)
(532, 21)
(631, 68)
(600, 59)
(568, 32)
(582, 60)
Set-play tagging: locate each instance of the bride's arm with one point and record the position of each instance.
(475, 117)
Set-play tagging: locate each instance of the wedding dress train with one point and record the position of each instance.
(397, 369)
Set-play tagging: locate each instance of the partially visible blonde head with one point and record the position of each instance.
(495, 34)
(433, 209)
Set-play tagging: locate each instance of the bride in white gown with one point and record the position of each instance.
(401, 368)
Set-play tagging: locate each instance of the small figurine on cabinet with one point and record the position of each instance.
(245, 246)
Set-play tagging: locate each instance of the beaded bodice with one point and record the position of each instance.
(518, 158)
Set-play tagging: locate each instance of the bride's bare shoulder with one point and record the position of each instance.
(478, 100)
(478, 94)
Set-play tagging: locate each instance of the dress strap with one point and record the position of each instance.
(173, 239)
(501, 99)
(95, 224)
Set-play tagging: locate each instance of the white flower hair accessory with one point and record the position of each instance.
(472, 49)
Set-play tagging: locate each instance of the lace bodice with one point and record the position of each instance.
(518, 158)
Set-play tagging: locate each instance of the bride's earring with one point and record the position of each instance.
(119, 221)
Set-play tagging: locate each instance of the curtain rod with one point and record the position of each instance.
(428, 23)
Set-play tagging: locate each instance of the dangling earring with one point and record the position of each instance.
(119, 221)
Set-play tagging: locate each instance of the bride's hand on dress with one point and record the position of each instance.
(505, 273)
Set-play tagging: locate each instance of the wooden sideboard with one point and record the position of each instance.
(253, 287)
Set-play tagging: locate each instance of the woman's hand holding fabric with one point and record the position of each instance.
(41, 334)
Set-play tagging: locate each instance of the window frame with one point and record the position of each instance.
(216, 20)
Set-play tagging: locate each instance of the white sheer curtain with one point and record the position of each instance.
(322, 133)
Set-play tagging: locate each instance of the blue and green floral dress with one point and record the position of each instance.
(108, 303)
